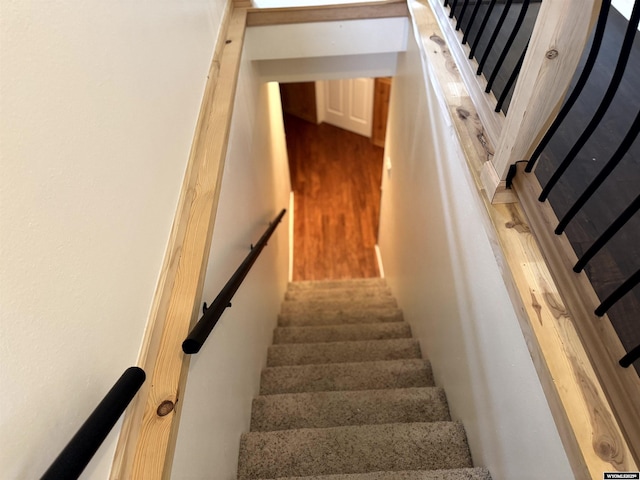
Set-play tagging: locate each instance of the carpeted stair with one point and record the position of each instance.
(346, 395)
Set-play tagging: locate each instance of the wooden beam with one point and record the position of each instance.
(147, 439)
(485, 103)
(559, 36)
(589, 430)
(326, 13)
(621, 385)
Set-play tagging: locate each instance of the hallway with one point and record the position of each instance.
(335, 177)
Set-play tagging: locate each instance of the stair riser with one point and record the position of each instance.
(451, 474)
(334, 409)
(346, 305)
(360, 283)
(347, 396)
(340, 317)
(417, 446)
(341, 333)
(342, 352)
(338, 294)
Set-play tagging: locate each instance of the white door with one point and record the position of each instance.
(347, 104)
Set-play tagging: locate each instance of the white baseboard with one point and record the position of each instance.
(379, 258)
(291, 230)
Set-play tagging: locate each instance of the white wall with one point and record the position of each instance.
(327, 50)
(99, 102)
(439, 262)
(624, 7)
(327, 39)
(328, 68)
(225, 376)
(302, 3)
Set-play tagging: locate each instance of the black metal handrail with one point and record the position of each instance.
(598, 36)
(616, 79)
(82, 447)
(516, 36)
(472, 19)
(608, 234)
(508, 45)
(629, 358)
(465, 5)
(494, 37)
(616, 158)
(198, 335)
(483, 26)
(610, 166)
(618, 293)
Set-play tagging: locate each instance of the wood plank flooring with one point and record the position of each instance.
(335, 177)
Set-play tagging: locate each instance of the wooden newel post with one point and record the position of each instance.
(559, 36)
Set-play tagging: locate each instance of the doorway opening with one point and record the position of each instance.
(335, 143)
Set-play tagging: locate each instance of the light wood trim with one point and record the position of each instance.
(622, 386)
(326, 13)
(485, 103)
(496, 189)
(558, 39)
(589, 431)
(145, 446)
(593, 440)
(437, 54)
(381, 95)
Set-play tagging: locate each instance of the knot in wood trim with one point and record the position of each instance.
(165, 408)
(551, 54)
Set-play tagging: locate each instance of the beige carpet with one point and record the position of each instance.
(347, 395)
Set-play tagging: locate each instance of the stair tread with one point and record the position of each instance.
(347, 376)
(353, 449)
(342, 352)
(338, 293)
(341, 316)
(331, 409)
(477, 473)
(336, 333)
(313, 305)
(355, 283)
(346, 395)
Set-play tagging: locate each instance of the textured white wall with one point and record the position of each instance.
(225, 376)
(99, 101)
(439, 262)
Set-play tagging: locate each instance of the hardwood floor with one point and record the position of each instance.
(335, 177)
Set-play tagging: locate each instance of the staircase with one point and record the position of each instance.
(346, 395)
